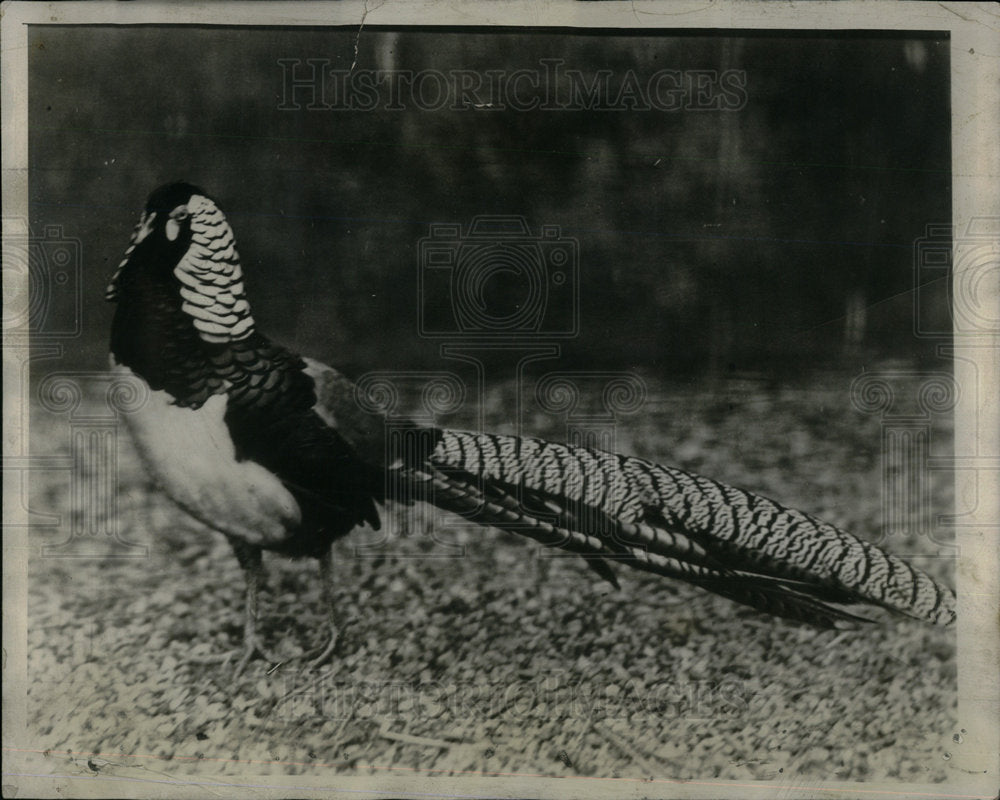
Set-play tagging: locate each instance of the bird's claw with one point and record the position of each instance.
(252, 646)
(324, 653)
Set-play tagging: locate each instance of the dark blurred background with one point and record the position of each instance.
(776, 236)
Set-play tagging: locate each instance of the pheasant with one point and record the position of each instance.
(273, 451)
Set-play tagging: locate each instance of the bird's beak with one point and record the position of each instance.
(140, 232)
(145, 227)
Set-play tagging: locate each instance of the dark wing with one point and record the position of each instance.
(273, 419)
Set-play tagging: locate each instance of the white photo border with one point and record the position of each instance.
(975, 68)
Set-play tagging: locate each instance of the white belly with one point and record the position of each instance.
(191, 456)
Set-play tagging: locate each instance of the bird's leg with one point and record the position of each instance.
(326, 587)
(253, 570)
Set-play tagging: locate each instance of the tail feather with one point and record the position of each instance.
(496, 507)
(800, 603)
(783, 601)
(664, 520)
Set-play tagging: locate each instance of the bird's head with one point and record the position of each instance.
(183, 239)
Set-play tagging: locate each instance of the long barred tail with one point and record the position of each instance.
(608, 507)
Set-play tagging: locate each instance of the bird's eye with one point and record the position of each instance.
(173, 226)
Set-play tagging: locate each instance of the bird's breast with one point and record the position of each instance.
(191, 455)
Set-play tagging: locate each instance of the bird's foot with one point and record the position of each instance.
(319, 656)
(252, 645)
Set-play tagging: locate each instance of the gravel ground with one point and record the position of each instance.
(504, 659)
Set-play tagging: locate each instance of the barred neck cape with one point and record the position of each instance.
(209, 271)
(213, 281)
